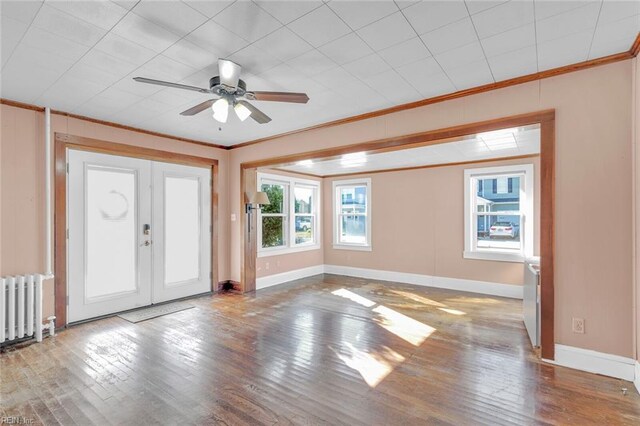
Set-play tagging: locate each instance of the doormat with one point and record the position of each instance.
(154, 311)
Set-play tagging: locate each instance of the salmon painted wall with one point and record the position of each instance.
(594, 264)
(22, 186)
(276, 264)
(417, 225)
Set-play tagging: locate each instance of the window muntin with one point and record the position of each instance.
(352, 214)
(290, 222)
(499, 213)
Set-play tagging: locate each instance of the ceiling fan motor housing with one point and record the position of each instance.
(221, 89)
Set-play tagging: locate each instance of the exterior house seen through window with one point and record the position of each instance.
(499, 213)
(352, 214)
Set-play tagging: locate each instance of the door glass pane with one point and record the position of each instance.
(111, 232)
(272, 231)
(304, 198)
(304, 229)
(182, 229)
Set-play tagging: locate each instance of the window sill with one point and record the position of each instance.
(351, 247)
(494, 255)
(287, 250)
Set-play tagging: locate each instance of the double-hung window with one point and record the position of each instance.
(352, 214)
(499, 222)
(290, 222)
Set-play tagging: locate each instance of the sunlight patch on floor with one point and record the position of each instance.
(403, 326)
(343, 292)
(452, 311)
(418, 298)
(372, 366)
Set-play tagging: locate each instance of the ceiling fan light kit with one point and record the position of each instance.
(231, 91)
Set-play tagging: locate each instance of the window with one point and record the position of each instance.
(290, 222)
(352, 214)
(499, 222)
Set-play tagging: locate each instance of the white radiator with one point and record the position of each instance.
(21, 308)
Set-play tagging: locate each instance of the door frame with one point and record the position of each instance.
(64, 141)
(546, 120)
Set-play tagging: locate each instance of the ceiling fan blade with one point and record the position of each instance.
(170, 84)
(299, 98)
(198, 108)
(229, 73)
(256, 114)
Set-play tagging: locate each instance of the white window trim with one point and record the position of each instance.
(336, 227)
(526, 209)
(289, 217)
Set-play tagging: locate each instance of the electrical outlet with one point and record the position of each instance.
(578, 325)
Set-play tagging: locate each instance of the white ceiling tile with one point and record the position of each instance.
(207, 7)
(11, 32)
(367, 66)
(216, 39)
(163, 68)
(614, 10)
(145, 33)
(514, 63)
(546, 8)
(247, 20)
(312, 63)
(405, 53)
(477, 6)
(20, 10)
(460, 56)
(504, 17)
(515, 39)
(65, 25)
(614, 37)
(41, 58)
(415, 71)
(435, 85)
(429, 15)
(70, 92)
(127, 4)
(174, 16)
(393, 87)
(286, 11)
(22, 80)
(449, 37)
(254, 60)
(403, 4)
(564, 51)
(346, 49)
(189, 54)
(284, 44)
(44, 40)
(387, 32)
(566, 23)
(357, 14)
(286, 79)
(471, 75)
(319, 26)
(103, 14)
(124, 49)
(336, 78)
(114, 99)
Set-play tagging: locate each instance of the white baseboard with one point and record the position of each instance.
(636, 380)
(296, 274)
(482, 287)
(596, 362)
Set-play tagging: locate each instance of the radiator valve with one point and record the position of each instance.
(51, 325)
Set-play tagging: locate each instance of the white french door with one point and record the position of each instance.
(139, 232)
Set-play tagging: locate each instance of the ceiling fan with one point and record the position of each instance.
(231, 91)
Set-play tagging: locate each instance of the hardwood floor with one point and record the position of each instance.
(322, 350)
